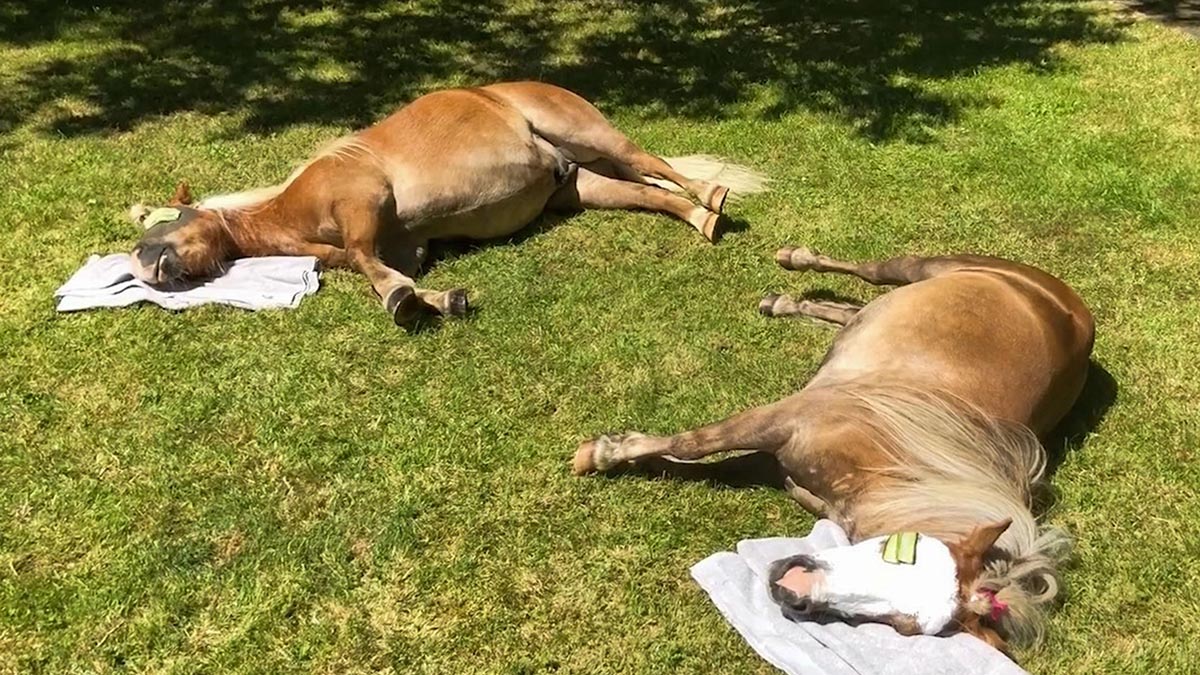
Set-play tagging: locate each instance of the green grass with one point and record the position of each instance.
(315, 490)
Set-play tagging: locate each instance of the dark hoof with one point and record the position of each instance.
(767, 306)
(403, 304)
(456, 303)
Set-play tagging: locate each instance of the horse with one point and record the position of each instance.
(473, 163)
(927, 416)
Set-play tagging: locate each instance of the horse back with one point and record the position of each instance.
(1006, 337)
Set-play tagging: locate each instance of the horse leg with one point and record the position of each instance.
(329, 255)
(766, 429)
(447, 303)
(892, 272)
(833, 312)
(612, 143)
(595, 191)
(399, 294)
(809, 501)
(575, 125)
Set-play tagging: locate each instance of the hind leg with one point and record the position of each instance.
(892, 272)
(591, 190)
(711, 195)
(570, 122)
(833, 312)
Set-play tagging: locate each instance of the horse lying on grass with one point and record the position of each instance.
(924, 417)
(475, 163)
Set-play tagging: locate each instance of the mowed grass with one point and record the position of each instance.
(318, 491)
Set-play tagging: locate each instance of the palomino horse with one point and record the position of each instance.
(473, 163)
(924, 417)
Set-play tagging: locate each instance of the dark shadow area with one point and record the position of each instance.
(748, 470)
(348, 62)
(441, 250)
(826, 295)
(1098, 395)
(1181, 14)
(730, 225)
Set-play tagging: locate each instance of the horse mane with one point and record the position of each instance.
(950, 467)
(345, 147)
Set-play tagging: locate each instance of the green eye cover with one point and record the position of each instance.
(159, 216)
(901, 548)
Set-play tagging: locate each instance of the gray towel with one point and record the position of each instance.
(737, 584)
(249, 283)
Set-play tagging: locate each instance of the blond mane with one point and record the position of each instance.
(344, 148)
(948, 467)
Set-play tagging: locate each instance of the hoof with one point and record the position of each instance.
(712, 227)
(403, 304)
(796, 258)
(766, 306)
(585, 459)
(599, 454)
(456, 303)
(716, 200)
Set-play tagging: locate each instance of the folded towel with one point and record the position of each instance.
(737, 585)
(250, 283)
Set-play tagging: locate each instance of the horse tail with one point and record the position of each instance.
(947, 467)
(740, 180)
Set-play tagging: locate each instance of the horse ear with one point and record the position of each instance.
(183, 195)
(983, 537)
(968, 553)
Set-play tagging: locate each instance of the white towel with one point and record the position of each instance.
(249, 283)
(737, 584)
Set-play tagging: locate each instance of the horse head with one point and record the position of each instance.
(180, 240)
(915, 583)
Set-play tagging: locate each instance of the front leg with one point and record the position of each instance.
(811, 503)
(330, 256)
(401, 298)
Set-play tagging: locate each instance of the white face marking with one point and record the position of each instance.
(857, 582)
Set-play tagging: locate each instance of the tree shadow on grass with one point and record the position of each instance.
(347, 62)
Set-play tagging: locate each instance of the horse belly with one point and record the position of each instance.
(492, 220)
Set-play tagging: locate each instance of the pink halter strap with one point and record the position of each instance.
(999, 607)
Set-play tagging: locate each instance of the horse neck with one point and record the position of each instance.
(930, 462)
(256, 230)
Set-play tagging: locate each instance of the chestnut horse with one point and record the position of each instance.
(924, 417)
(475, 163)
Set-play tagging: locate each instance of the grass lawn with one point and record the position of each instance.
(316, 490)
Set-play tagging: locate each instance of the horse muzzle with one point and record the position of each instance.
(156, 264)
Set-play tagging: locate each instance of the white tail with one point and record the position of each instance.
(740, 180)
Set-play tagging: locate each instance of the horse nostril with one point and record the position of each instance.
(802, 606)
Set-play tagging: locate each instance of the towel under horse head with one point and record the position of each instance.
(475, 163)
(919, 435)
